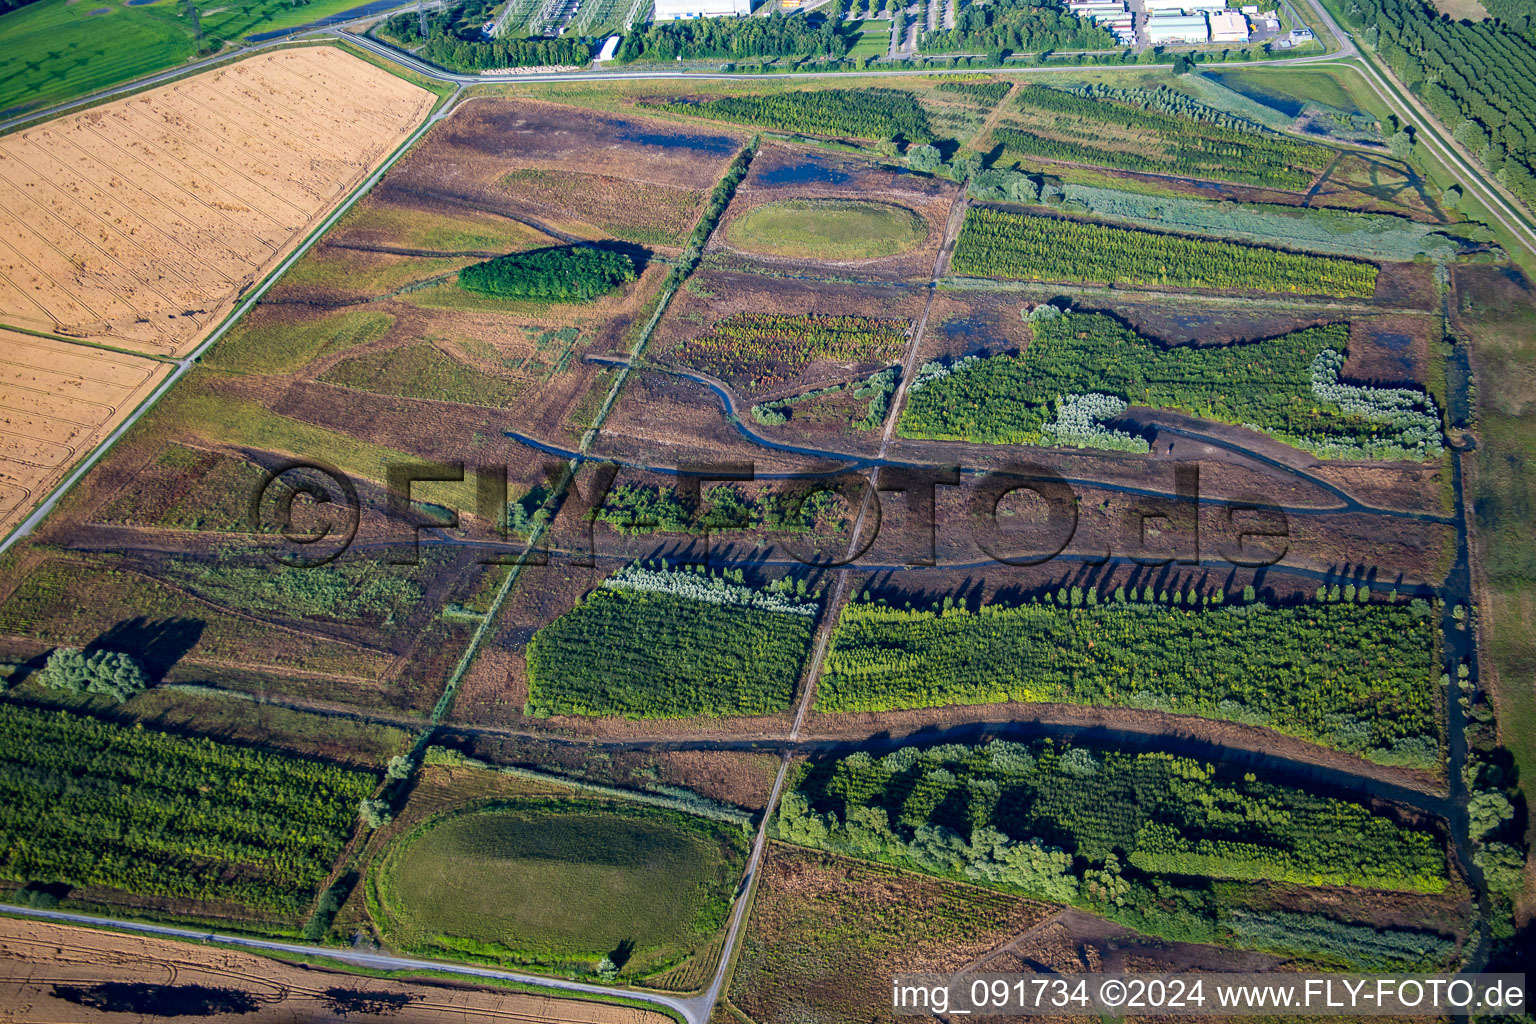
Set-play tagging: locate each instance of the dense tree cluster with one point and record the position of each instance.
(856, 113)
(574, 273)
(672, 644)
(1019, 25)
(646, 508)
(1055, 821)
(89, 802)
(1362, 677)
(996, 243)
(1267, 384)
(1478, 77)
(777, 35)
(1190, 138)
(454, 40)
(109, 673)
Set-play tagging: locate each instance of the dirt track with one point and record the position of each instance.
(56, 974)
(139, 223)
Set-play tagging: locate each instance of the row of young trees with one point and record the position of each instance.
(1069, 822)
(673, 647)
(1478, 77)
(90, 802)
(1362, 677)
(996, 243)
(856, 113)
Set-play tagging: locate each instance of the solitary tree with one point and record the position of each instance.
(925, 158)
(375, 813)
(111, 673)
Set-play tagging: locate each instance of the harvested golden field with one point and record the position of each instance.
(57, 402)
(53, 973)
(140, 222)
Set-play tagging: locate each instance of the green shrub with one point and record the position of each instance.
(110, 673)
(576, 273)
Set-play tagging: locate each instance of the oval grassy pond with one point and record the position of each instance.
(832, 229)
(560, 884)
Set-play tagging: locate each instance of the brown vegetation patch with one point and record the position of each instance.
(826, 933)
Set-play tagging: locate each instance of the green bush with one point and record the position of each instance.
(110, 673)
(942, 809)
(576, 273)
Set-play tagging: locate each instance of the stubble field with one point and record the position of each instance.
(57, 401)
(139, 223)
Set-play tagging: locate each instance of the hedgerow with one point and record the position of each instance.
(573, 273)
(669, 644)
(1287, 387)
(1054, 820)
(859, 113)
(757, 351)
(89, 802)
(1358, 676)
(995, 243)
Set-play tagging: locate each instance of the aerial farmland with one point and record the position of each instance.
(711, 545)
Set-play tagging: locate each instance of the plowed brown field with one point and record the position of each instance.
(57, 401)
(142, 221)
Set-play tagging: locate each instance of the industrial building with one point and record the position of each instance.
(678, 10)
(1177, 28)
(1113, 15)
(1228, 27)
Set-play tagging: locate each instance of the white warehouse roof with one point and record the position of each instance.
(1229, 27)
(1178, 29)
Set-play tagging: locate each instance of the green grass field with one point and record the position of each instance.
(834, 229)
(560, 884)
(57, 50)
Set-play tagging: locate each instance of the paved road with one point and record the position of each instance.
(691, 1009)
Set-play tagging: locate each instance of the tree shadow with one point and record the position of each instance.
(157, 644)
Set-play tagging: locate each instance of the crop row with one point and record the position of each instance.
(995, 243)
(858, 113)
(1191, 139)
(1358, 676)
(671, 647)
(89, 802)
